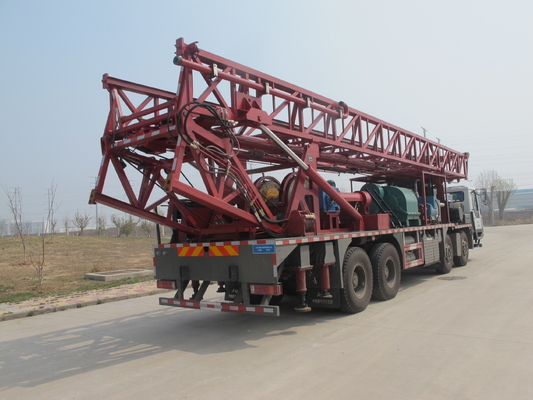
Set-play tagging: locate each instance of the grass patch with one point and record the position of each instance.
(84, 286)
(68, 259)
(21, 296)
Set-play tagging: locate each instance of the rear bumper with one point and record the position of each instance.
(220, 306)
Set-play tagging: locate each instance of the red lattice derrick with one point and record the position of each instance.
(357, 141)
(213, 122)
(128, 122)
(299, 116)
(143, 136)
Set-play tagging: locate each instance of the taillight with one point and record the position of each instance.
(274, 290)
(162, 284)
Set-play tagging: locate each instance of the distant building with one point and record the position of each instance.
(34, 227)
(521, 200)
(5, 227)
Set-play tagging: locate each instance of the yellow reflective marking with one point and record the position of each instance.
(231, 251)
(215, 250)
(197, 251)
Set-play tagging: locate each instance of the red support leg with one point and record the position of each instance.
(301, 289)
(325, 282)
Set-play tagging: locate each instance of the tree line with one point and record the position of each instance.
(496, 189)
(125, 225)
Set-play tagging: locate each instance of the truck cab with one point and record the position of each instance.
(465, 207)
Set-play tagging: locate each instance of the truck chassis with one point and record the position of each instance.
(339, 271)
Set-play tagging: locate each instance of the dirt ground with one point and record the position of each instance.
(67, 260)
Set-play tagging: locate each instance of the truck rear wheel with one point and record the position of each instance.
(386, 271)
(357, 276)
(462, 260)
(446, 263)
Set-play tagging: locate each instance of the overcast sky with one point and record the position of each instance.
(461, 69)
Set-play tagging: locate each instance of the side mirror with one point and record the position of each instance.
(482, 193)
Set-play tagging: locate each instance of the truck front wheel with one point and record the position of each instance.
(357, 276)
(387, 271)
(446, 263)
(462, 260)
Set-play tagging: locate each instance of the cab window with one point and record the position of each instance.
(457, 196)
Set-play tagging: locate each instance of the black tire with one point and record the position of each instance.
(446, 263)
(462, 260)
(357, 277)
(386, 271)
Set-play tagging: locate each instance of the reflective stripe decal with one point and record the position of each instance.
(226, 250)
(319, 238)
(191, 252)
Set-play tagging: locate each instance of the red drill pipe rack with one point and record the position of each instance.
(212, 123)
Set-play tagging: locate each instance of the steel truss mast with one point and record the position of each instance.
(226, 116)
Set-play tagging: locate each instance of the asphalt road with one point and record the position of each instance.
(468, 338)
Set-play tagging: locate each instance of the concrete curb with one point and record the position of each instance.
(9, 311)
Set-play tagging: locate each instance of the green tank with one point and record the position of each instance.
(401, 201)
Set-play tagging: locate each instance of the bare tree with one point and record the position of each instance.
(504, 190)
(38, 259)
(101, 222)
(498, 189)
(488, 180)
(81, 221)
(125, 226)
(15, 206)
(146, 227)
(51, 223)
(66, 225)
